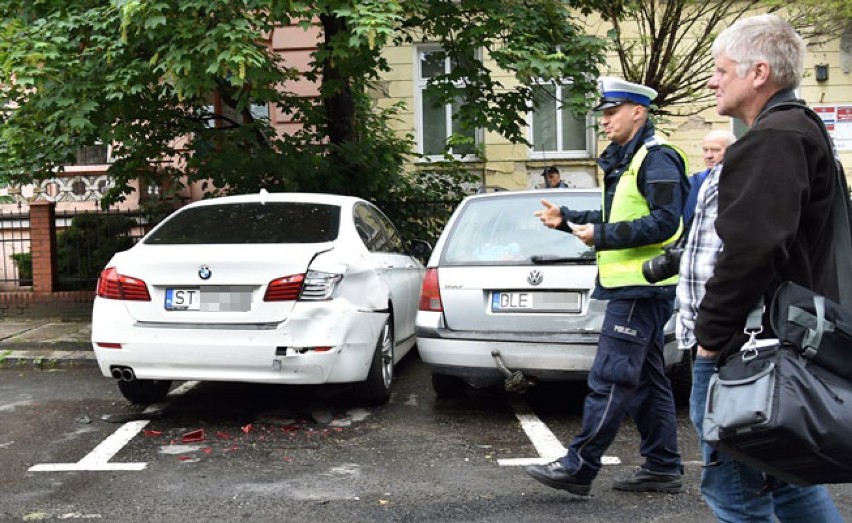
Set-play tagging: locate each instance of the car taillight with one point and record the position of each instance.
(319, 285)
(115, 286)
(430, 293)
(284, 289)
(313, 286)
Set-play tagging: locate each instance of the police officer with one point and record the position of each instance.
(645, 186)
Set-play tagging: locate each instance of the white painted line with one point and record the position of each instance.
(97, 467)
(183, 388)
(545, 442)
(98, 459)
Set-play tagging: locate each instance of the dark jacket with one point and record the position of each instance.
(775, 194)
(663, 182)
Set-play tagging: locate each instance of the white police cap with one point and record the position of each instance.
(615, 91)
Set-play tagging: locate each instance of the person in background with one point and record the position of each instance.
(645, 186)
(763, 217)
(552, 178)
(713, 146)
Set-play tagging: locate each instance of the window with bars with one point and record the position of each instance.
(555, 129)
(436, 122)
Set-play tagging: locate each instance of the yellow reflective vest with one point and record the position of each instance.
(623, 267)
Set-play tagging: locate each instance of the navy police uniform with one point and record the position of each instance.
(628, 374)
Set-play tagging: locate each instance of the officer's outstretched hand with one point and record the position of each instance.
(550, 215)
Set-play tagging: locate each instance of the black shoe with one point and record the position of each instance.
(646, 481)
(557, 476)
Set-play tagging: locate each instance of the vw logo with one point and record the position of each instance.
(535, 277)
(204, 272)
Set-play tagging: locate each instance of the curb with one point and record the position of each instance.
(48, 354)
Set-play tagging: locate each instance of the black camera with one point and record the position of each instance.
(665, 265)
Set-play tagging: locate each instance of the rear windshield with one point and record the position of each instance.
(270, 222)
(505, 231)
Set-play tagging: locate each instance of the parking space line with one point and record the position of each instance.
(545, 442)
(98, 458)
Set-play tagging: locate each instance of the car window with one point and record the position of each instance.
(270, 222)
(375, 230)
(395, 243)
(506, 231)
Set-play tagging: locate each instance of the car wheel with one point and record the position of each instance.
(145, 391)
(681, 379)
(376, 389)
(447, 386)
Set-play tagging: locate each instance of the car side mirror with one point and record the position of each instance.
(420, 249)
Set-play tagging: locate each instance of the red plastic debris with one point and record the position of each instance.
(207, 450)
(152, 433)
(193, 436)
(223, 435)
(247, 428)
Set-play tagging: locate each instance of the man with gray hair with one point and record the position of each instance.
(713, 148)
(763, 217)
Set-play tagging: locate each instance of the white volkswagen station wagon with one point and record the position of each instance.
(264, 288)
(503, 295)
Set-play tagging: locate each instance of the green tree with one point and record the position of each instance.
(666, 44)
(142, 74)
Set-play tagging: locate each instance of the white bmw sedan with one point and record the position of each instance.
(265, 288)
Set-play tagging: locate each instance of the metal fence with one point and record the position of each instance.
(86, 240)
(15, 246)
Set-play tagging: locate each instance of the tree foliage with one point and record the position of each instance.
(667, 44)
(142, 74)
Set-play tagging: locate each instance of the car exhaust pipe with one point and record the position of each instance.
(515, 381)
(123, 374)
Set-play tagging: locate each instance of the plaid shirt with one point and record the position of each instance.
(698, 259)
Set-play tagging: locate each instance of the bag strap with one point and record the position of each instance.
(840, 211)
(815, 326)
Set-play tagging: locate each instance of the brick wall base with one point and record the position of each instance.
(76, 305)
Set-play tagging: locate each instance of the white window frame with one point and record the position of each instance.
(591, 137)
(420, 84)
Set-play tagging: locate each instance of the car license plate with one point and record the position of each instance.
(539, 301)
(183, 299)
(210, 298)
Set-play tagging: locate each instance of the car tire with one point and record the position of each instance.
(681, 380)
(375, 390)
(144, 391)
(446, 386)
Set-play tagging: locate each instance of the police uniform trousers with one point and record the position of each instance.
(628, 377)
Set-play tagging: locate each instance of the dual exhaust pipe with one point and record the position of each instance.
(122, 373)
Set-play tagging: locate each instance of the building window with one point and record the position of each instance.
(435, 123)
(555, 130)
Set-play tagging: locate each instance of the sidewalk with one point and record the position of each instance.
(45, 341)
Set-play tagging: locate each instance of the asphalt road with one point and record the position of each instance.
(73, 449)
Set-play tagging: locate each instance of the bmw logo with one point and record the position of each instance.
(204, 272)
